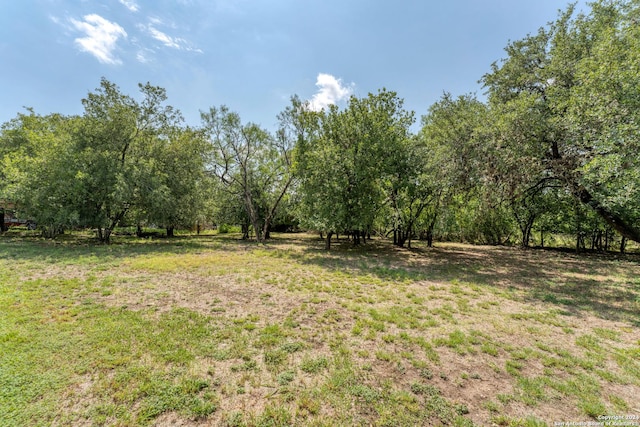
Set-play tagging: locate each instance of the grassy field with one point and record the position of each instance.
(215, 331)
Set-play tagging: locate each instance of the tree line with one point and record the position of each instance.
(553, 149)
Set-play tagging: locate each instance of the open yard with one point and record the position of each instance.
(215, 331)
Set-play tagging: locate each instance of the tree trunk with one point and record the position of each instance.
(430, 229)
(3, 227)
(170, 230)
(618, 223)
(49, 232)
(139, 230)
(106, 236)
(596, 242)
(623, 244)
(525, 224)
(257, 229)
(356, 237)
(253, 216)
(526, 234)
(402, 237)
(271, 212)
(327, 242)
(580, 245)
(266, 229)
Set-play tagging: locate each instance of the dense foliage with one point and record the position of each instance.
(552, 150)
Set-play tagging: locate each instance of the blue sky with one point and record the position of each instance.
(252, 55)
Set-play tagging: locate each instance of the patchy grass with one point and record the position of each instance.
(219, 331)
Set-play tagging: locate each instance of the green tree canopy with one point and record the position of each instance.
(567, 102)
(343, 162)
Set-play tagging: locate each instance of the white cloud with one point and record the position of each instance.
(143, 57)
(130, 4)
(330, 91)
(165, 39)
(101, 37)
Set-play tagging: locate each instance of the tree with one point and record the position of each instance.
(411, 187)
(466, 170)
(344, 160)
(176, 196)
(227, 207)
(38, 168)
(571, 92)
(113, 144)
(254, 166)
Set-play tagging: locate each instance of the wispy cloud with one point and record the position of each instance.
(101, 37)
(330, 91)
(130, 4)
(144, 56)
(167, 40)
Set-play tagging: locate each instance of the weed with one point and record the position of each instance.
(491, 406)
(275, 358)
(286, 377)
(424, 389)
(293, 347)
(533, 390)
(388, 338)
(592, 407)
(505, 398)
(308, 405)
(313, 365)
(426, 373)
(589, 342)
(234, 419)
(249, 365)
(274, 416)
(618, 403)
(385, 356)
(608, 334)
(533, 422)
(489, 348)
(513, 367)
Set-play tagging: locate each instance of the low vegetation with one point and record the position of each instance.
(213, 330)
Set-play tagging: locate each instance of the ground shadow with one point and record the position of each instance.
(602, 284)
